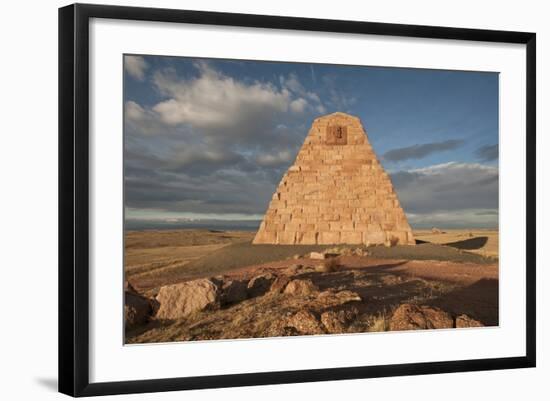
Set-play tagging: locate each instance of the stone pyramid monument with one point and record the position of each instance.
(336, 192)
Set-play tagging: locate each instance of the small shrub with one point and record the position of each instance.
(379, 323)
(327, 266)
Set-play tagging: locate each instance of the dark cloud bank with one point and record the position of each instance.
(422, 150)
(451, 194)
(488, 153)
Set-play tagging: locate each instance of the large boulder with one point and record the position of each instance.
(463, 321)
(330, 298)
(334, 322)
(137, 309)
(317, 255)
(300, 287)
(305, 322)
(233, 291)
(414, 317)
(279, 284)
(260, 284)
(293, 269)
(181, 300)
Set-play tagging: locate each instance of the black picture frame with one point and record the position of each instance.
(74, 198)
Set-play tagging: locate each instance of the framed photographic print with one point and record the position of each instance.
(295, 199)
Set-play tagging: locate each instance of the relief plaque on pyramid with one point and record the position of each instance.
(336, 192)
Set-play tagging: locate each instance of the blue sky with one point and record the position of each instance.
(211, 138)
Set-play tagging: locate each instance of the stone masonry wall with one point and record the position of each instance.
(336, 192)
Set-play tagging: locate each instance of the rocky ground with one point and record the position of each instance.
(338, 290)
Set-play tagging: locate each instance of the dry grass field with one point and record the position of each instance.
(153, 258)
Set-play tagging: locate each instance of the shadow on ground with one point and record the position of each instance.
(381, 288)
(469, 244)
(478, 300)
(245, 254)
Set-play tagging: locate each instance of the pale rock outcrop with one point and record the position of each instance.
(463, 321)
(305, 322)
(300, 287)
(414, 317)
(334, 322)
(279, 284)
(181, 300)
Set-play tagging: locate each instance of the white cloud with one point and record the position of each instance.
(274, 159)
(134, 112)
(313, 96)
(293, 84)
(214, 100)
(142, 121)
(455, 167)
(298, 105)
(135, 66)
(213, 142)
(321, 109)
